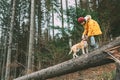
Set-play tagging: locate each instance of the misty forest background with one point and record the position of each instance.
(35, 34)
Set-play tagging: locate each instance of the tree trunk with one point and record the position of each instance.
(39, 32)
(31, 38)
(4, 58)
(84, 4)
(76, 5)
(67, 12)
(53, 20)
(8, 62)
(93, 59)
(62, 16)
(68, 23)
(117, 77)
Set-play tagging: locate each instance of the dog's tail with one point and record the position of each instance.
(70, 52)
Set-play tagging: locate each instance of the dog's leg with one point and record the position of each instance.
(86, 47)
(75, 55)
(86, 50)
(83, 50)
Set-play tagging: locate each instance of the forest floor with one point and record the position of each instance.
(104, 72)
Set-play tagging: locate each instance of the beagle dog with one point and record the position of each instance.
(83, 45)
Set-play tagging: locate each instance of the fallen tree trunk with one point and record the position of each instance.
(93, 59)
(117, 76)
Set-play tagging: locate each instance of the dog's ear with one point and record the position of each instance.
(86, 37)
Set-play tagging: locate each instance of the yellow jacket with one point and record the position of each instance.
(92, 28)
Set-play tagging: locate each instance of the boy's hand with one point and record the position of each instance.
(83, 36)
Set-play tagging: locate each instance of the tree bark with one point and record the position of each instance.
(93, 59)
(8, 62)
(53, 20)
(83, 4)
(31, 38)
(62, 16)
(117, 76)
